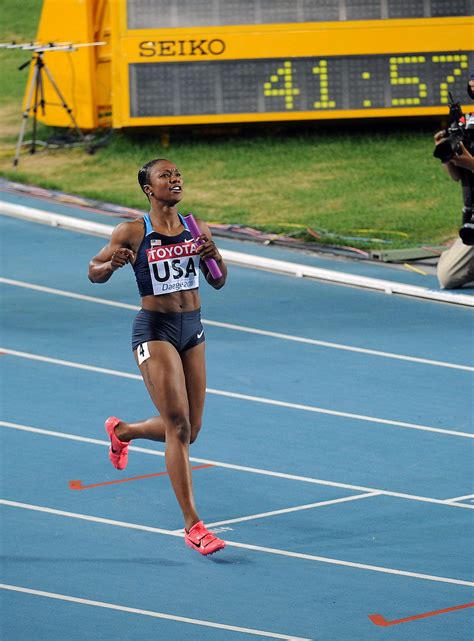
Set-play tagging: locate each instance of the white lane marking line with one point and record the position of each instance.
(67, 294)
(149, 613)
(297, 508)
(244, 397)
(340, 346)
(460, 498)
(242, 328)
(244, 546)
(357, 417)
(242, 468)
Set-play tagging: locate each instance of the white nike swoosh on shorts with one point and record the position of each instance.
(199, 335)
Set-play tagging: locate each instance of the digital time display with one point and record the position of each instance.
(289, 85)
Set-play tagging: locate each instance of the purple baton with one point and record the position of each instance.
(196, 232)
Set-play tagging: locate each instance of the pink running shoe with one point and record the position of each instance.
(200, 539)
(118, 451)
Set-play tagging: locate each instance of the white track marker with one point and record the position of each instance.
(298, 508)
(242, 468)
(243, 397)
(149, 613)
(242, 328)
(460, 498)
(244, 546)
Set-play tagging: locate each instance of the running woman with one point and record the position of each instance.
(168, 337)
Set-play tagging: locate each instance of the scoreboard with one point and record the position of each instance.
(180, 62)
(208, 61)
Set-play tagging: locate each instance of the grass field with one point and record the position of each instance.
(375, 181)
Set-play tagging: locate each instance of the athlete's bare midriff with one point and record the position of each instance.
(186, 301)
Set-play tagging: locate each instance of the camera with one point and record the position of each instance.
(460, 130)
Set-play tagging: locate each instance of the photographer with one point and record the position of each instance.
(456, 265)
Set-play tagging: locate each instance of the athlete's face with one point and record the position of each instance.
(165, 182)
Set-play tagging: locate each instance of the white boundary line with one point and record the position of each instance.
(242, 468)
(249, 260)
(242, 328)
(297, 508)
(244, 546)
(460, 498)
(243, 397)
(150, 613)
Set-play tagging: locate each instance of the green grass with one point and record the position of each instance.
(342, 181)
(18, 22)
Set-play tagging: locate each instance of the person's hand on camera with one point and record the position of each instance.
(439, 136)
(464, 159)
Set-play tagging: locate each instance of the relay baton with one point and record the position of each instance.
(212, 266)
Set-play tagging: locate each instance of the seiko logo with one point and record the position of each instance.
(161, 48)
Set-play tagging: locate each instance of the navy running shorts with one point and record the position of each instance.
(182, 329)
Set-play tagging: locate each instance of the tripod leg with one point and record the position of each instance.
(63, 102)
(38, 92)
(33, 84)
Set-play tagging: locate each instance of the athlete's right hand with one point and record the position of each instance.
(121, 257)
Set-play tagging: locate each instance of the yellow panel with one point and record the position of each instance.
(279, 116)
(306, 39)
(103, 70)
(73, 72)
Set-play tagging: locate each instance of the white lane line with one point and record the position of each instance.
(149, 613)
(242, 468)
(357, 417)
(244, 546)
(67, 294)
(297, 508)
(244, 397)
(460, 498)
(242, 328)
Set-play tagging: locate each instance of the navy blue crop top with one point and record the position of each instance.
(166, 264)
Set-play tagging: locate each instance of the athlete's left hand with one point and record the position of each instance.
(208, 249)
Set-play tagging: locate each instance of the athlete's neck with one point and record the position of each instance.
(165, 217)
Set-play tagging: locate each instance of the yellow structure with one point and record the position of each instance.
(164, 64)
(83, 76)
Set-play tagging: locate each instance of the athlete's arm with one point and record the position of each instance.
(209, 250)
(113, 256)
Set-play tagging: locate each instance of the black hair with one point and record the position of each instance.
(144, 172)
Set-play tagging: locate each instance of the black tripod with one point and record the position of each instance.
(36, 100)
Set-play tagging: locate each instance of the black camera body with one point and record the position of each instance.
(460, 130)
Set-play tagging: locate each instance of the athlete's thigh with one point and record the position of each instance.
(164, 378)
(194, 366)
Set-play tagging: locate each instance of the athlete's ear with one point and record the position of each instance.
(148, 191)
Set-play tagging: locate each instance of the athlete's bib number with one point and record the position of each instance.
(143, 353)
(173, 268)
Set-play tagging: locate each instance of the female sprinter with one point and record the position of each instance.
(168, 338)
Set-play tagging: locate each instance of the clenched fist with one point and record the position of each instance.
(121, 257)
